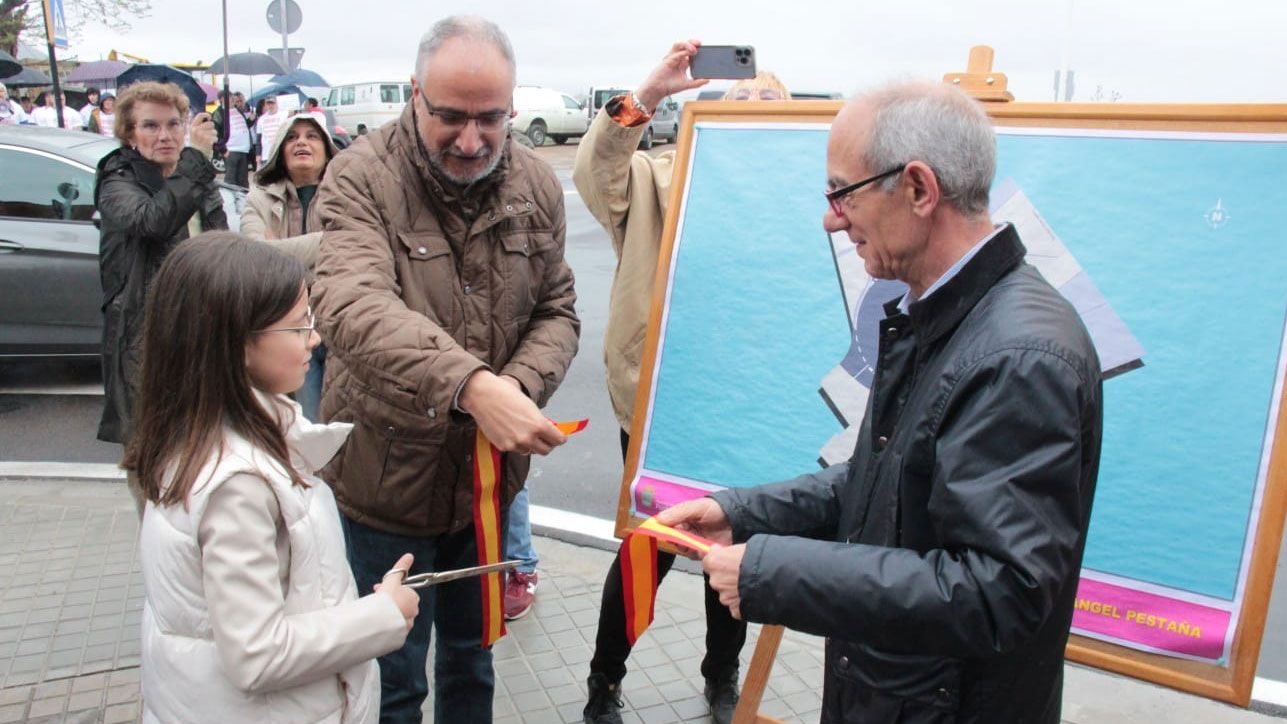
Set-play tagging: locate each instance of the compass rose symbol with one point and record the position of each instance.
(1217, 216)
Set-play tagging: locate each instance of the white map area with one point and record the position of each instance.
(845, 388)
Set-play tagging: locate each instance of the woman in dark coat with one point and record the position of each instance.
(152, 193)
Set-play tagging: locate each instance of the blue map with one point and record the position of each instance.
(1181, 239)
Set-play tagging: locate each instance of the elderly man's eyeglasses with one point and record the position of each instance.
(834, 196)
(302, 332)
(457, 120)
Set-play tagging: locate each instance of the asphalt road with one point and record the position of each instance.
(49, 410)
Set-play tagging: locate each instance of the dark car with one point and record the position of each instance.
(339, 133)
(50, 295)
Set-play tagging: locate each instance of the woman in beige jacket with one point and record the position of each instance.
(628, 192)
(279, 210)
(251, 612)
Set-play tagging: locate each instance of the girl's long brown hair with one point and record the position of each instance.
(211, 293)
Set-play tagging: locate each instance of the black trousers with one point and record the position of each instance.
(725, 635)
(237, 168)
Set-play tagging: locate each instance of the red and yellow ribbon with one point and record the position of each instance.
(681, 538)
(571, 428)
(487, 526)
(639, 570)
(487, 475)
(638, 582)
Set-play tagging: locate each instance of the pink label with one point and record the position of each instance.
(1162, 623)
(653, 496)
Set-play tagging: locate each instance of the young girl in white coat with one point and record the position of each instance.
(251, 612)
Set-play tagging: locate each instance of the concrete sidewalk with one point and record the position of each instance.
(71, 593)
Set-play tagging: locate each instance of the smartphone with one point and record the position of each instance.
(723, 61)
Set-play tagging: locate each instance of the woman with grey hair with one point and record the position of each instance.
(152, 193)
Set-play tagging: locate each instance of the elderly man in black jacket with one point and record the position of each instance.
(941, 562)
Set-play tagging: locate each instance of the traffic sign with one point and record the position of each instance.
(294, 16)
(291, 63)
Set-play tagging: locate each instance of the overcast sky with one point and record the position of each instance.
(1144, 50)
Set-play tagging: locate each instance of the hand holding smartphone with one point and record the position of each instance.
(723, 61)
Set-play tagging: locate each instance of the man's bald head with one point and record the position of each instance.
(463, 28)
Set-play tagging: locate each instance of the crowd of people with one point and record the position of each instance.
(348, 392)
(96, 116)
(244, 146)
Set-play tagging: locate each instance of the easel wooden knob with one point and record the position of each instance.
(978, 79)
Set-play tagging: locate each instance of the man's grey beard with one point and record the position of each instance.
(436, 160)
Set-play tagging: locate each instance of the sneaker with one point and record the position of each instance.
(520, 593)
(605, 701)
(722, 695)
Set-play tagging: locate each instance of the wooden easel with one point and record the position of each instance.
(1230, 683)
(978, 79)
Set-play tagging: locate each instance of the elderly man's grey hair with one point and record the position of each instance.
(4, 88)
(463, 26)
(940, 126)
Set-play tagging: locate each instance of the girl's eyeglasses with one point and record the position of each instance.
(302, 332)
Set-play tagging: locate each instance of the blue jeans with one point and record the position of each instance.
(518, 534)
(309, 396)
(463, 678)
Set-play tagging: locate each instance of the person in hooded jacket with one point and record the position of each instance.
(279, 210)
(102, 120)
(151, 194)
(251, 613)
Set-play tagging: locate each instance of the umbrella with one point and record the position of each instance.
(165, 74)
(277, 89)
(212, 93)
(301, 77)
(248, 64)
(29, 77)
(101, 72)
(8, 65)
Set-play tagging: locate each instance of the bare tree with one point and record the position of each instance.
(27, 16)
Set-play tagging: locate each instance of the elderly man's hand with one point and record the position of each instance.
(724, 565)
(671, 76)
(509, 419)
(702, 516)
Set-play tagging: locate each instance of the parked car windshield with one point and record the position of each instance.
(606, 94)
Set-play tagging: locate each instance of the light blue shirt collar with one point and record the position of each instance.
(906, 302)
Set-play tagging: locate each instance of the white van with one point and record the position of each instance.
(370, 104)
(665, 120)
(546, 113)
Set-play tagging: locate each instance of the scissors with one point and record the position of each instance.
(424, 580)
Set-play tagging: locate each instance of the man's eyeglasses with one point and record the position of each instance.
(457, 120)
(302, 332)
(834, 196)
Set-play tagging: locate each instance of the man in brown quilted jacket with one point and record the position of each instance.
(447, 306)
